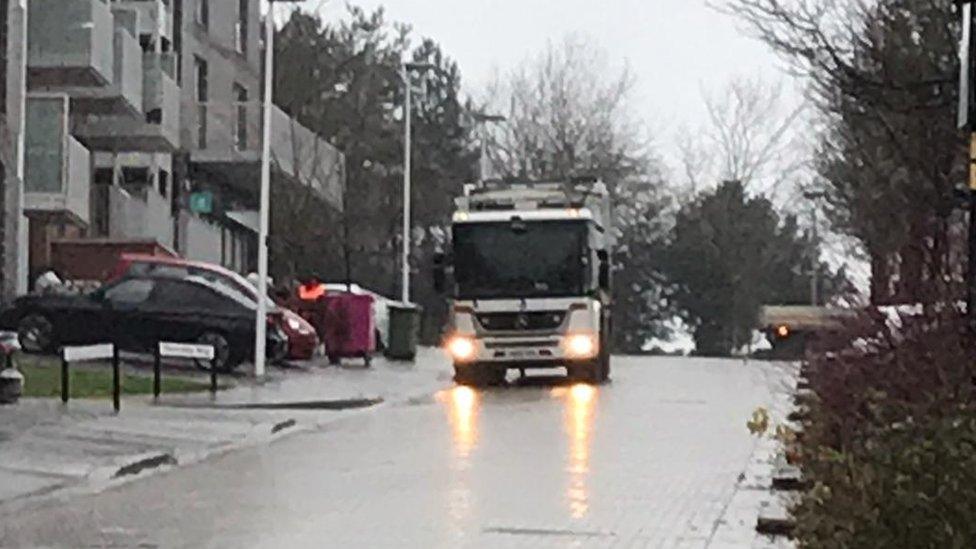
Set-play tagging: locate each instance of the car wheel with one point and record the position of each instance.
(36, 334)
(224, 358)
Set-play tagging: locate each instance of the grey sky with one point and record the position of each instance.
(673, 46)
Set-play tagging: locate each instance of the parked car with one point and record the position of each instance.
(302, 339)
(137, 312)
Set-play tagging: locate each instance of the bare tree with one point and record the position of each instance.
(569, 113)
(882, 76)
(750, 137)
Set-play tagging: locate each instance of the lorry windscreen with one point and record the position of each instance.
(536, 259)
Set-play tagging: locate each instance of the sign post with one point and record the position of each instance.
(186, 350)
(967, 121)
(87, 353)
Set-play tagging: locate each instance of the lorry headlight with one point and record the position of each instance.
(462, 348)
(580, 346)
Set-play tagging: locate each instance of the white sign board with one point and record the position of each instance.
(88, 352)
(186, 350)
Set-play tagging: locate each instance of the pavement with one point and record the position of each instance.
(49, 451)
(660, 457)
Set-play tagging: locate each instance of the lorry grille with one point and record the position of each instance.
(544, 320)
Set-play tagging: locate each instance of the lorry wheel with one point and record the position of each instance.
(590, 372)
(496, 376)
(604, 368)
(471, 375)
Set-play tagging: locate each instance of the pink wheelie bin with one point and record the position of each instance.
(350, 327)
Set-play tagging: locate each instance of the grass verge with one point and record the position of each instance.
(42, 378)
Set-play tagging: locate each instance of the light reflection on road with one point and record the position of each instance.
(580, 406)
(463, 414)
(462, 405)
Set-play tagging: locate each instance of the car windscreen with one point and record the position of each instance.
(533, 259)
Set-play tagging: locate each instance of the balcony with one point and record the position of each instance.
(158, 130)
(140, 214)
(66, 45)
(228, 142)
(155, 17)
(57, 172)
(89, 51)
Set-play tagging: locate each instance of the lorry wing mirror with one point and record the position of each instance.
(439, 272)
(604, 278)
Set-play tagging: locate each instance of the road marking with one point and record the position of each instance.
(546, 532)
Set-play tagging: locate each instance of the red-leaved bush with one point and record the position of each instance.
(890, 439)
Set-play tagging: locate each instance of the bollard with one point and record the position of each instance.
(116, 381)
(213, 376)
(11, 380)
(64, 379)
(157, 374)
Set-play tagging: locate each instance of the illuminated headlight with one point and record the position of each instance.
(580, 346)
(294, 324)
(462, 348)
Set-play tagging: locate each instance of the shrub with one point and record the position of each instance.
(890, 444)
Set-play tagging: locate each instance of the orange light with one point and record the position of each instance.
(580, 346)
(783, 331)
(462, 348)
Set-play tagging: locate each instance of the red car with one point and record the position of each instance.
(302, 340)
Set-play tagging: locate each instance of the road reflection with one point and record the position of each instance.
(578, 418)
(462, 405)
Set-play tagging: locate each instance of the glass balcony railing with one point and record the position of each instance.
(57, 173)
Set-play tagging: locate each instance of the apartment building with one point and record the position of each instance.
(144, 124)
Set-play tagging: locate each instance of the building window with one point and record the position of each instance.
(162, 183)
(202, 126)
(202, 85)
(240, 94)
(203, 91)
(203, 13)
(242, 26)
(178, 39)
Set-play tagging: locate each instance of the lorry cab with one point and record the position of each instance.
(531, 281)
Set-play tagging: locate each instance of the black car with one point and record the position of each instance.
(137, 312)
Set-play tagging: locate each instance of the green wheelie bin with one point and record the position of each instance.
(404, 331)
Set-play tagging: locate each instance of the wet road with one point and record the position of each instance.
(650, 460)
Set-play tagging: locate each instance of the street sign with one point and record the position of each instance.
(186, 350)
(201, 202)
(88, 352)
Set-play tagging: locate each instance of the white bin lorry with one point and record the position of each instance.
(530, 280)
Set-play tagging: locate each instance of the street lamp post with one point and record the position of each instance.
(405, 71)
(484, 119)
(814, 260)
(264, 214)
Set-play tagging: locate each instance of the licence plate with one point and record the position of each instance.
(522, 353)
